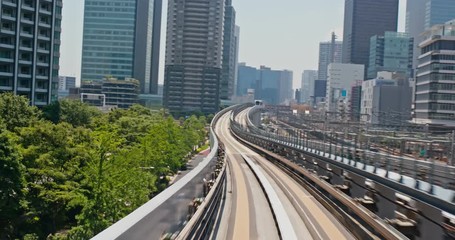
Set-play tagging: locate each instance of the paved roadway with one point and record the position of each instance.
(249, 214)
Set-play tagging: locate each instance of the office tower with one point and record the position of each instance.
(435, 88)
(423, 14)
(362, 20)
(121, 40)
(391, 52)
(307, 86)
(65, 82)
(64, 85)
(110, 92)
(386, 99)
(30, 49)
(320, 88)
(340, 78)
(193, 56)
(247, 78)
(286, 80)
(237, 47)
(274, 86)
(229, 53)
(156, 45)
(329, 52)
(355, 101)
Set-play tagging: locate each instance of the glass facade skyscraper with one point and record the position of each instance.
(391, 52)
(119, 36)
(362, 20)
(30, 48)
(422, 15)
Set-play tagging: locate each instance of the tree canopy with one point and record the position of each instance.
(69, 171)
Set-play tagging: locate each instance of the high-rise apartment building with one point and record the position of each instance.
(329, 52)
(307, 85)
(435, 79)
(194, 46)
(30, 48)
(362, 20)
(391, 52)
(121, 39)
(422, 15)
(229, 53)
(340, 79)
(64, 85)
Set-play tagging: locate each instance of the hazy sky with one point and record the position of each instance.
(281, 34)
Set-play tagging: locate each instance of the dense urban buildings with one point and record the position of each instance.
(121, 39)
(391, 52)
(435, 80)
(30, 49)
(329, 52)
(307, 85)
(386, 99)
(229, 53)
(340, 79)
(362, 20)
(422, 15)
(193, 56)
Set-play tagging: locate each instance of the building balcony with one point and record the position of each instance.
(9, 17)
(8, 46)
(23, 89)
(8, 60)
(9, 3)
(6, 74)
(9, 32)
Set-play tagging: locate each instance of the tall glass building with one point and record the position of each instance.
(362, 20)
(422, 15)
(391, 52)
(30, 48)
(121, 40)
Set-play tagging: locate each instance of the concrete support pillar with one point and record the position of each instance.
(337, 176)
(322, 166)
(386, 208)
(428, 229)
(357, 186)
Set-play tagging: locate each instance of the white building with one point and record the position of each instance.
(435, 79)
(340, 78)
(307, 87)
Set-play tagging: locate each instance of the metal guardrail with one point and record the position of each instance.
(310, 182)
(162, 212)
(446, 204)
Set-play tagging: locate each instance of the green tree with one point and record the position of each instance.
(15, 111)
(73, 112)
(53, 156)
(117, 185)
(11, 185)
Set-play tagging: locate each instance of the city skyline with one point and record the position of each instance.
(297, 53)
